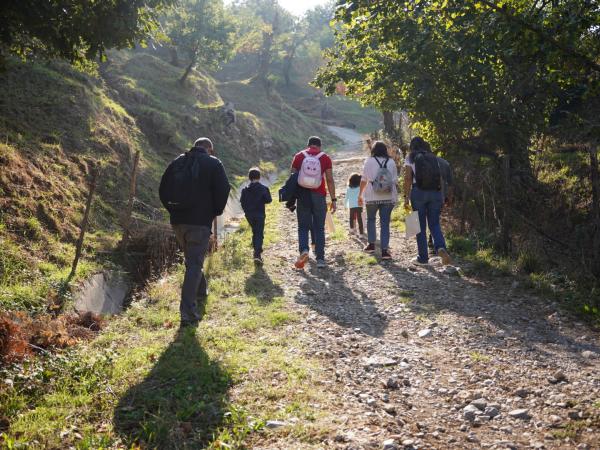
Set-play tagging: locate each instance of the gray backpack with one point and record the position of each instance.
(383, 183)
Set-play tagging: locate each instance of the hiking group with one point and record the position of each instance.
(194, 189)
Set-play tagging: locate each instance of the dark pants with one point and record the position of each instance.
(356, 217)
(312, 215)
(194, 241)
(429, 206)
(258, 233)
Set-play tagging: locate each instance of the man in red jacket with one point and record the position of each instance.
(313, 214)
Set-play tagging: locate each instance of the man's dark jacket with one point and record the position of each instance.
(254, 198)
(292, 191)
(213, 190)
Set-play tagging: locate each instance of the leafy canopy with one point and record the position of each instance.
(76, 30)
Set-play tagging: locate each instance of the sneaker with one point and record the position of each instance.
(301, 261)
(258, 261)
(321, 264)
(385, 254)
(446, 258)
(418, 262)
(370, 248)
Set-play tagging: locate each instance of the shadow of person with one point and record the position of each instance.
(261, 286)
(503, 316)
(181, 402)
(328, 293)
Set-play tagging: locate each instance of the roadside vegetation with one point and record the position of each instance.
(144, 382)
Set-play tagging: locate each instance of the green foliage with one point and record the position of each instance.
(201, 30)
(76, 30)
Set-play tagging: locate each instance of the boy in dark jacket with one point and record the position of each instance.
(254, 198)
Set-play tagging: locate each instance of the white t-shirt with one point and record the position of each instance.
(370, 170)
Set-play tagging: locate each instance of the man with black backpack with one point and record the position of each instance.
(423, 185)
(194, 189)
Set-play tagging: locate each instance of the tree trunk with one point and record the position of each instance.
(595, 180)
(187, 72)
(287, 64)
(506, 228)
(388, 123)
(264, 60)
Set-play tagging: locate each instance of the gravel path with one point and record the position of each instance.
(420, 358)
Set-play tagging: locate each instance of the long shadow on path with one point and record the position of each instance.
(261, 286)
(180, 404)
(327, 293)
(519, 316)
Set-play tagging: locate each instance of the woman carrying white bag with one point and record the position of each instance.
(379, 192)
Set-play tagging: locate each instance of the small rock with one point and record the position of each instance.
(519, 414)
(470, 412)
(275, 424)
(371, 402)
(391, 410)
(491, 412)
(392, 383)
(575, 415)
(587, 354)
(408, 442)
(451, 270)
(390, 444)
(522, 392)
(379, 361)
(555, 420)
(479, 403)
(558, 377)
(424, 333)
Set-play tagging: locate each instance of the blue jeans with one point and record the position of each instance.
(385, 213)
(312, 216)
(429, 206)
(257, 224)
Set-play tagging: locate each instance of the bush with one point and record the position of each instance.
(528, 262)
(460, 245)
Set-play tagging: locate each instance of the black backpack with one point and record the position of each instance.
(428, 176)
(179, 182)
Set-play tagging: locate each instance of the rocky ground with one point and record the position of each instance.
(419, 357)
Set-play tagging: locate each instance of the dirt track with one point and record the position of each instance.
(415, 357)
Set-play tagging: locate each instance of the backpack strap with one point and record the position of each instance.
(384, 165)
(319, 155)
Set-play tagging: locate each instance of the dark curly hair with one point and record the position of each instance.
(354, 180)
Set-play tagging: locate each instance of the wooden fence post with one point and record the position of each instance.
(84, 222)
(129, 211)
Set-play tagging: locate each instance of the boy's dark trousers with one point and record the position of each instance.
(356, 216)
(257, 223)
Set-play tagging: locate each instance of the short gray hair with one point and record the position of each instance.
(203, 142)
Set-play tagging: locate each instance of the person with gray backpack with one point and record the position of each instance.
(379, 192)
(423, 185)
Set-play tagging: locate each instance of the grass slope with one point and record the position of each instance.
(57, 123)
(145, 383)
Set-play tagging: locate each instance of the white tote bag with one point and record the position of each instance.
(329, 225)
(413, 227)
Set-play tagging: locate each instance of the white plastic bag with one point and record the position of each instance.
(413, 227)
(329, 225)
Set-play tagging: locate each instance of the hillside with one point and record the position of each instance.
(57, 123)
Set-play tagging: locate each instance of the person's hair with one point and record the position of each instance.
(418, 144)
(354, 180)
(254, 174)
(379, 149)
(204, 143)
(314, 141)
